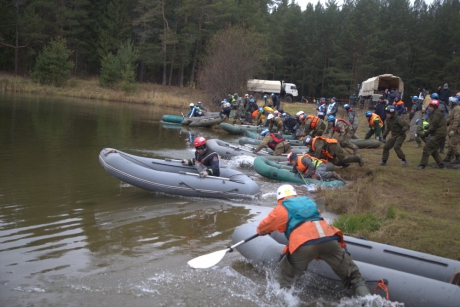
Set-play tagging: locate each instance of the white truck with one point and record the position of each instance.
(258, 88)
(371, 89)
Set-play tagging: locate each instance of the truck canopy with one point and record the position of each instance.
(378, 84)
(264, 86)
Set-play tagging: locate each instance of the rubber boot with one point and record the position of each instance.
(438, 160)
(457, 159)
(287, 274)
(361, 290)
(448, 158)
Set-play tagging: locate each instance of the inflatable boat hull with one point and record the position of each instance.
(172, 177)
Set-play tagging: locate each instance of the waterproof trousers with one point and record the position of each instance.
(331, 253)
(431, 149)
(394, 142)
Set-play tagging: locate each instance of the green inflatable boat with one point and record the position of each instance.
(276, 171)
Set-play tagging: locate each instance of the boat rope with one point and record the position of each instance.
(216, 192)
(384, 287)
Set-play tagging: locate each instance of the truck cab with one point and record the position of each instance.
(289, 92)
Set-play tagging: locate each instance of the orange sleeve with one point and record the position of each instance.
(276, 220)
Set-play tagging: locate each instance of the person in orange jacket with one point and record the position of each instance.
(310, 237)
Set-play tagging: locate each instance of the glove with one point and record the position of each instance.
(377, 138)
(451, 133)
(184, 161)
(203, 174)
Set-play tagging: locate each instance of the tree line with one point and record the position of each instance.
(326, 50)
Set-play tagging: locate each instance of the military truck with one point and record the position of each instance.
(371, 89)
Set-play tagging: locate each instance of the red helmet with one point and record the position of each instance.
(199, 141)
(434, 103)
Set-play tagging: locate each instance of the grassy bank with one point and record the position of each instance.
(89, 88)
(397, 205)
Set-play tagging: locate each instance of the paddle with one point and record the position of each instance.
(309, 187)
(209, 260)
(212, 177)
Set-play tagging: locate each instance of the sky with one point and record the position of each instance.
(303, 3)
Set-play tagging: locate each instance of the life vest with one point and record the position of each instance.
(302, 168)
(373, 118)
(303, 214)
(324, 151)
(254, 114)
(340, 120)
(277, 138)
(314, 121)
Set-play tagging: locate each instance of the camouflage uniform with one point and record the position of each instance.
(317, 131)
(454, 128)
(346, 132)
(281, 147)
(438, 129)
(398, 127)
(275, 121)
(335, 150)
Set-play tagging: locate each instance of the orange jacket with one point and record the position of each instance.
(277, 221)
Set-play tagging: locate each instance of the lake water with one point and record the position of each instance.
(72, 235)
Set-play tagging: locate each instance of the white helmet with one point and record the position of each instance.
(284, 191)
(191, 104)
(299, 113)
(229, 104)
(276, 112)
(246, 95)
(270, 116)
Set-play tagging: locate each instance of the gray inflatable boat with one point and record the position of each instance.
(172, 177)
(414, 278)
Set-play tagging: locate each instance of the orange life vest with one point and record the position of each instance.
(277, 138)
(324, 151)
(302, 168)
(314, 121)
(373, 118)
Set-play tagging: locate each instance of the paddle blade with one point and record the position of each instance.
(207, 261)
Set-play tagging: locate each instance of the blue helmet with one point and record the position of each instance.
(251, 100)
(330, 118)
(264, 132)
(346, 106)
(261, 109)
(454, 100)
(435, 96)
(417, 120)
(414, 97)
(368, 113)
(273, 94)
(284, 115)
(265, 96)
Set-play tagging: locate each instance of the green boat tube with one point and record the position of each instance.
(276, 171)
(172, 118)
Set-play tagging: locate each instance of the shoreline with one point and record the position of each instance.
(148, 93)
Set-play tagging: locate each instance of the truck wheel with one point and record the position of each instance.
(288, 99)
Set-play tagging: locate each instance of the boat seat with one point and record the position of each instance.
(455, 280)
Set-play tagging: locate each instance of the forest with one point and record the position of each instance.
(326, 49)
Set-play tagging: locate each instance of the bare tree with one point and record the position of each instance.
(234, 55)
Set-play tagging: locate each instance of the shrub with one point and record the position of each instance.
(52, 66)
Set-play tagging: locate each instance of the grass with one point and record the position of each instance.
(89, 88)
(413, 209)
(400, 206)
